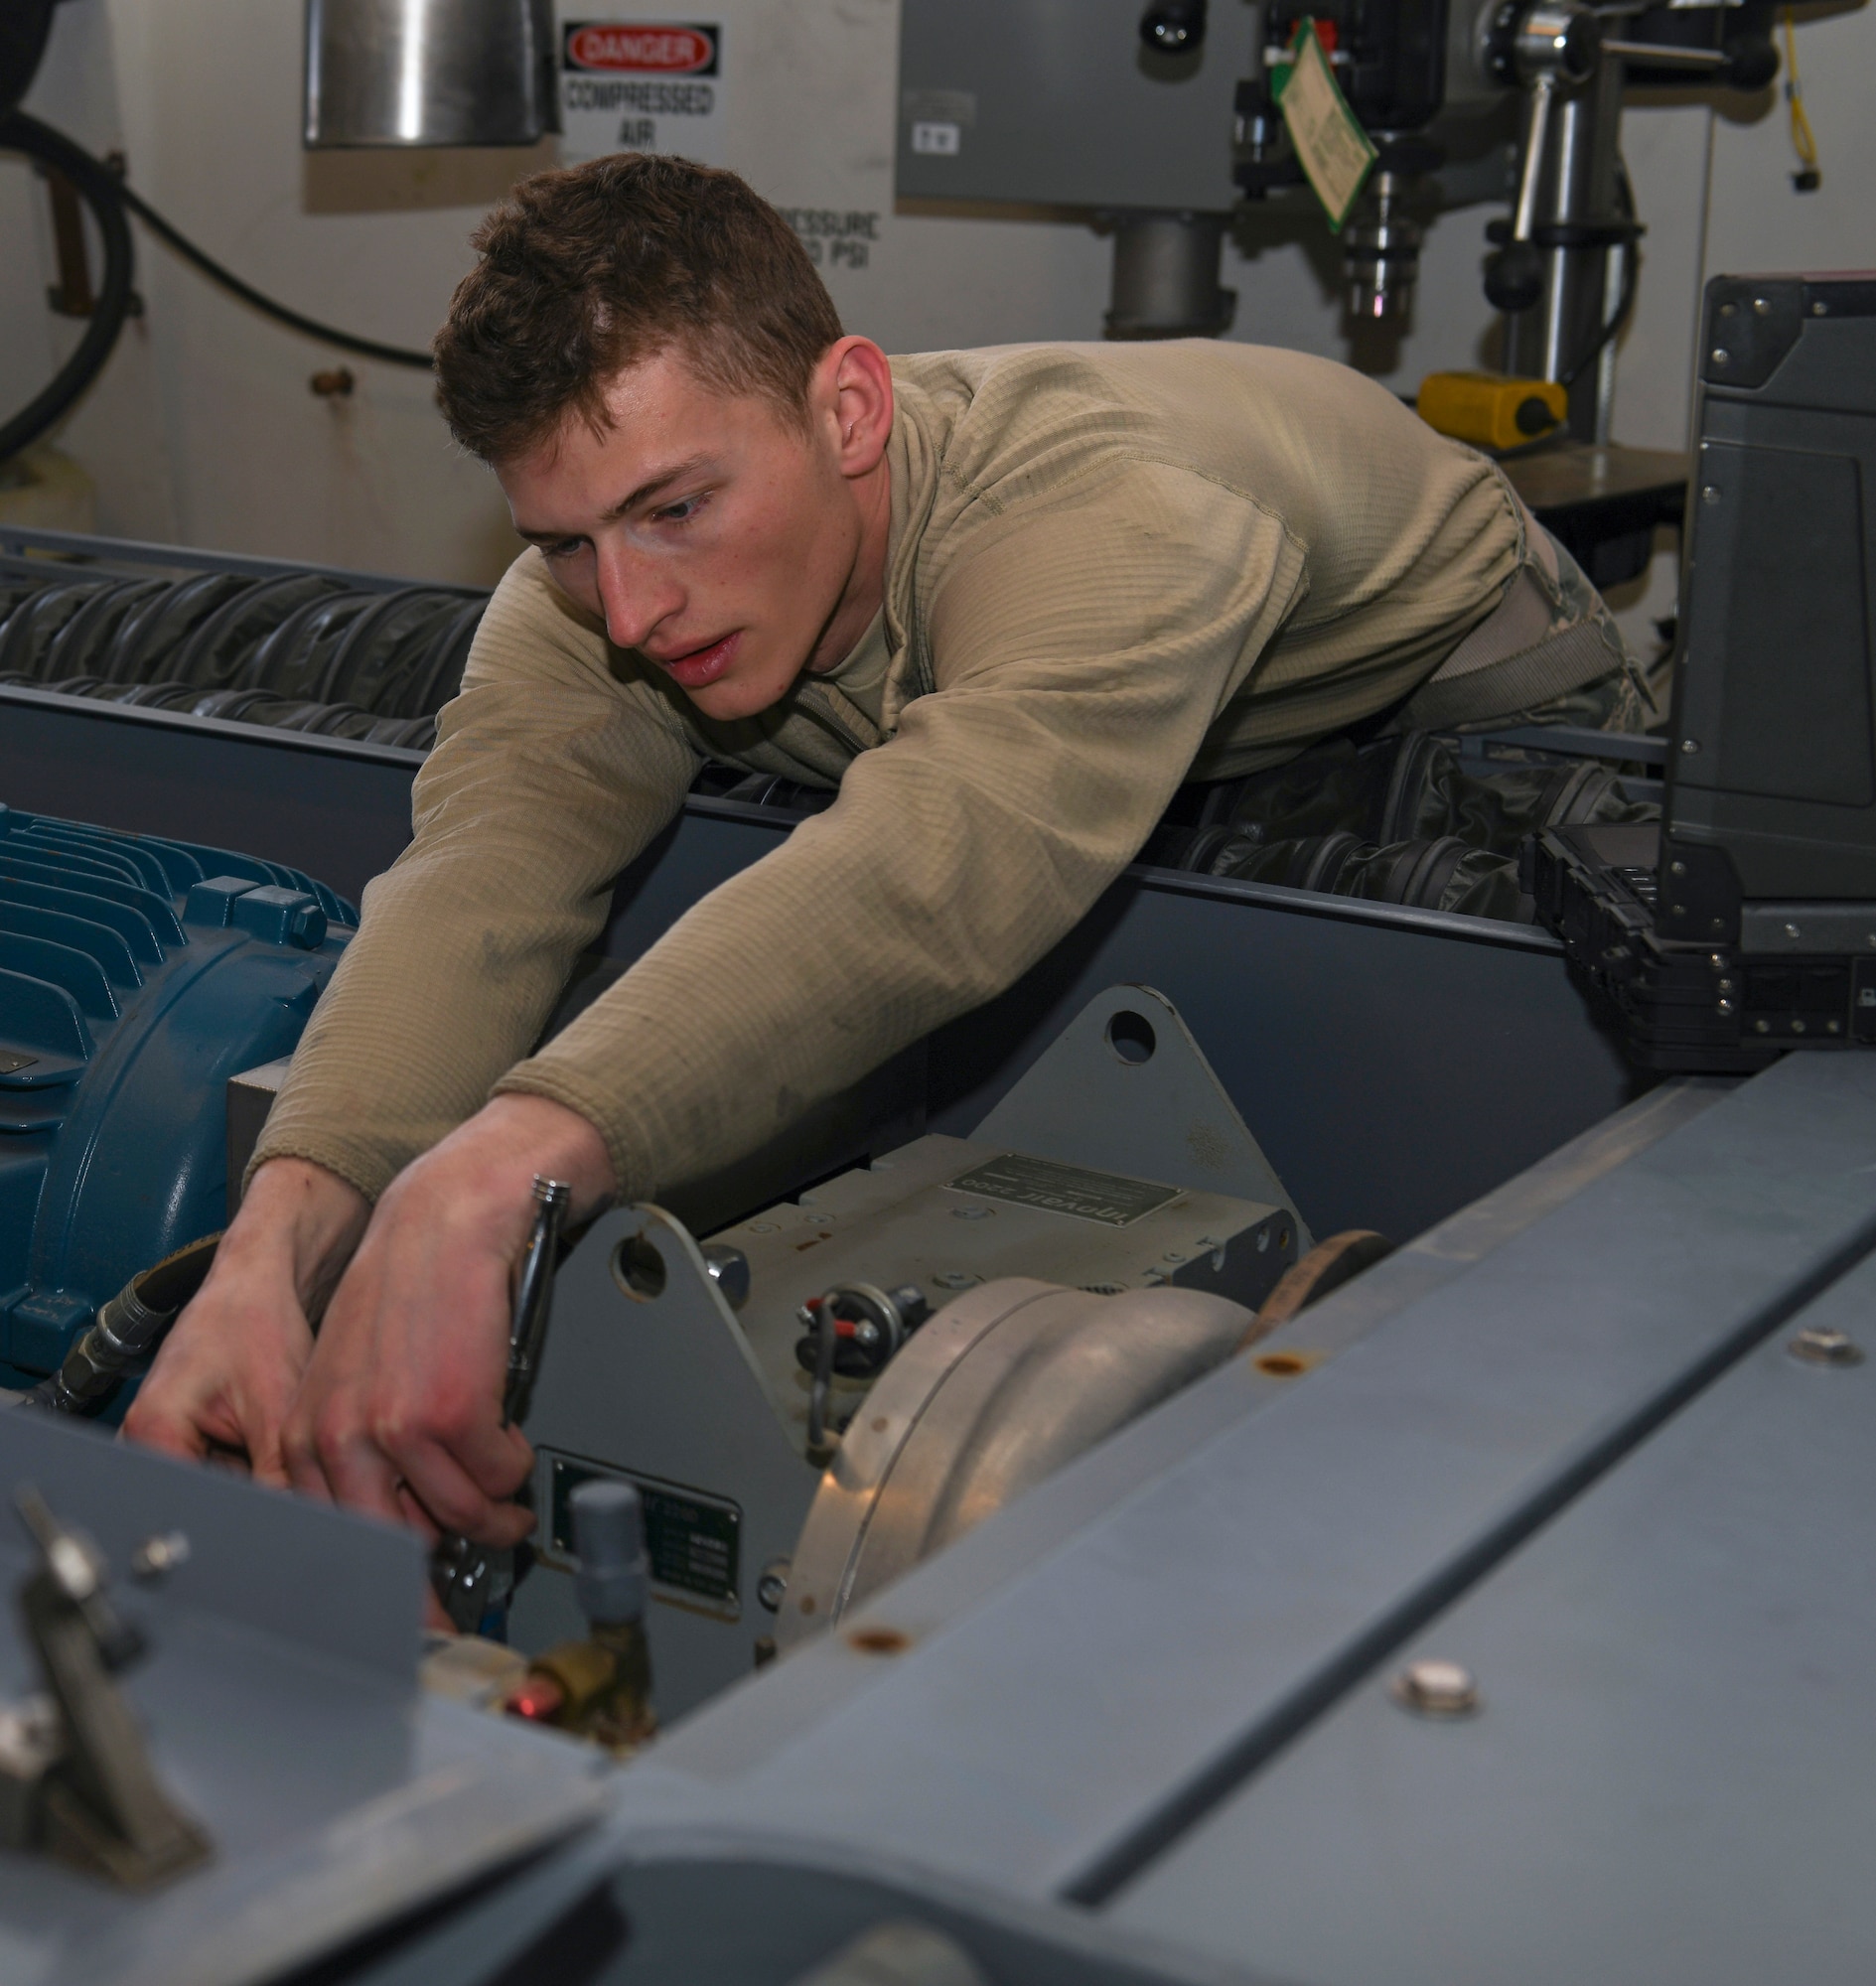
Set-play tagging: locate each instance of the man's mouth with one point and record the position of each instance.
(700, 666)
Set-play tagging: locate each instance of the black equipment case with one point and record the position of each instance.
(1743, 924)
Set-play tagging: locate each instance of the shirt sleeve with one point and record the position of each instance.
(1080, 653)
(549, 775)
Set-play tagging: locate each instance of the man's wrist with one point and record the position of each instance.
(553, 1140)
(298, 1220)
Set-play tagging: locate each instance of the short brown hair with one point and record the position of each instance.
(588, 270)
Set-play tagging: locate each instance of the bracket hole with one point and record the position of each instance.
(638, 1269)
(1131, 1036)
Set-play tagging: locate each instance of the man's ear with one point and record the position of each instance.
(857, 384)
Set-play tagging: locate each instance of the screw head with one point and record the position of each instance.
(1434, 1689)
(972, 1213)
(955, 1279)
(1722, 356)
(1824, 1344)
(1690, 745)
(773, 1587)
(1709, 494)
(158, 1556)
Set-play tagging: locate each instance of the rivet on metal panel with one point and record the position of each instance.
(1434, 1689)
(1286, 1364)
(1823, 1345)
(158, 1556)
(879, 1641)
(772, 1586)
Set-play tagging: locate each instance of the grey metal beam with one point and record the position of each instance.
(1394, 1064)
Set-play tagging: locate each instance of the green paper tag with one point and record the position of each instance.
(1334, 150)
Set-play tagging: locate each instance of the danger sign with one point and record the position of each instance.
(642, 86)
(641, 48)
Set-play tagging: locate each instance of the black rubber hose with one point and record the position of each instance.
(109, 200)
(98, 186)
(367, 347)
(1625, 302)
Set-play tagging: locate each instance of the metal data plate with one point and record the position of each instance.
(693, 1540)
(948, 1213)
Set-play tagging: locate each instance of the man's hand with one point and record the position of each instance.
(230, 1365)
(399, 1411)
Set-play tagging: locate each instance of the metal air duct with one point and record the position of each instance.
(429, 72)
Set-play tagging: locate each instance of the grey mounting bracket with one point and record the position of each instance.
(648, 1377)
(1124, 1088)
(76, 1776)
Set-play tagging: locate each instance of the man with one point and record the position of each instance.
(1006, 601)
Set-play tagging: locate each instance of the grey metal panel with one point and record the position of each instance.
(82, 549)
(282, 1710)
(337, 809)
(122, 1495)
(1054, 1738)
(1392, 1069)
(1672, 1776)
(660, 1905)
(1393, 1063)
(1058, 103)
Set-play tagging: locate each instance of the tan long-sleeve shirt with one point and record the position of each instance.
(1111, 568)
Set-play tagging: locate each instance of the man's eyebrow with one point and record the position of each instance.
(650, 489)
(645, 491)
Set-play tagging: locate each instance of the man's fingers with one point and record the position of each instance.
(455, 1501)
(334, 1459)
(166, 1430)
(419, 1520)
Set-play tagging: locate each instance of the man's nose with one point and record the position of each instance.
(635, 594)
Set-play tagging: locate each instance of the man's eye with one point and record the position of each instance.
(567, 548)
(681, 511)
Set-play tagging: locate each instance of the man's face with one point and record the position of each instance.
(710, 532)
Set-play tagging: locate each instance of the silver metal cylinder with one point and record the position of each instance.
(1166, 278)
(1577, 182)
(1381, 246)
(430, 72)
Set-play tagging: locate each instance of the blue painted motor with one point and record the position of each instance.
(137, 975)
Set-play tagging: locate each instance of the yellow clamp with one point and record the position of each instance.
(1491, 411)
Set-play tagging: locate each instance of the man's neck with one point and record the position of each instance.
(861, 598)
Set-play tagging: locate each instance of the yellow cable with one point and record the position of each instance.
(1804, 139)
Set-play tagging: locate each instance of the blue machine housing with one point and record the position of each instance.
(137, 975)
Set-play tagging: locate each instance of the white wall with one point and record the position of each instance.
(204, 428)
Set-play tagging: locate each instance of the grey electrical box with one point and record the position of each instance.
(1056, 102)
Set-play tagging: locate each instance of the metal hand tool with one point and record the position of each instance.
(470, 1579)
